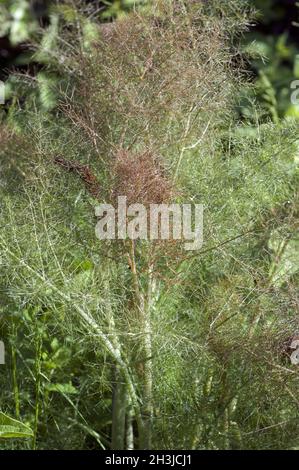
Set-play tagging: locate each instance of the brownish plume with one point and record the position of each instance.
(141, 178)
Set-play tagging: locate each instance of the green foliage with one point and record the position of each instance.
(286, 261)
(192, 340)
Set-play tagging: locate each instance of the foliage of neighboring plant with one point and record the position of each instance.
(135, 345)
(274, 59)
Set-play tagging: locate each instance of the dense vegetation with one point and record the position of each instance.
(140, 344)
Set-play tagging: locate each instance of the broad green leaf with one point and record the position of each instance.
(11, 428)
(66, 388)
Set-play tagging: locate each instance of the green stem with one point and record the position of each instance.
(37, 388)
(14, 375)
(129, 428)
(119, 413)
(144, 311)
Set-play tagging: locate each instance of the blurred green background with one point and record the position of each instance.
(274, 45)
